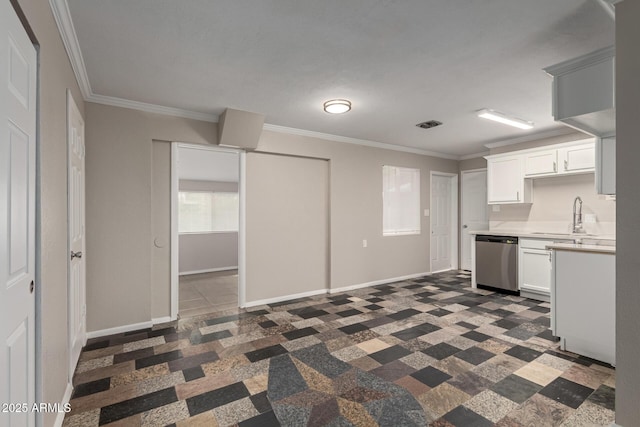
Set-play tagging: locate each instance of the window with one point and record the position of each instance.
(400, 201)
(206, 212)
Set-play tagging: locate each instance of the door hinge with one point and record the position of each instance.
(32, 287)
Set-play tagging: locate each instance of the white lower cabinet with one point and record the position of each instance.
(583, 303)
(534, 269)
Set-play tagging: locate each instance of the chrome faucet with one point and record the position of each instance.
(577, 216)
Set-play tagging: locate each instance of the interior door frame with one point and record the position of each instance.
(453, 177)
(175, 235)
(462, 206)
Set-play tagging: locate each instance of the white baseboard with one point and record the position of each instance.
(65, 399)
(208, 270)
(119, 329)
(284, 298)
(376, 282)
(159, 320)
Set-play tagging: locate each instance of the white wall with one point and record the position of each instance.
(627, 181)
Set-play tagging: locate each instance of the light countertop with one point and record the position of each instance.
(583, 247)
(547, 235)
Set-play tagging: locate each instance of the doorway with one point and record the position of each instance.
(206, 202)
(474, 211)
(444, 221)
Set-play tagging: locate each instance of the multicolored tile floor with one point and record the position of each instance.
(424, 351)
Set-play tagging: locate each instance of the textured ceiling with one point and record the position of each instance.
(400, 62)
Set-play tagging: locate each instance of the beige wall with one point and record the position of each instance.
(161, 229)
(470, 164)
(356, 207)
(119, 210)
(553, 202)
(55, 77)
(628, 177)
(287, 226)
(207, 251)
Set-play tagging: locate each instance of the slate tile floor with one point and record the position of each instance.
(465, 357)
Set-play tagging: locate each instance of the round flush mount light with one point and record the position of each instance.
(337, 106)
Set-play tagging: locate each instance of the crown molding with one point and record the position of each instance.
(574, 64)
(474, 156)
(539, 135)
(151, 108)
(355, 141)
(61, 13)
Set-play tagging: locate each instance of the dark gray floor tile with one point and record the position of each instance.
(431, 376)
(516, 388)
(566, 392)
(474, 355)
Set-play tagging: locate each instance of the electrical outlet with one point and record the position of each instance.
(495, 208)
(364, 243)
(589, 218)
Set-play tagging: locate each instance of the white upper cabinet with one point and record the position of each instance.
(579, 158)
(583, 92)
(510, 175)
(541, 163)
(505, 181)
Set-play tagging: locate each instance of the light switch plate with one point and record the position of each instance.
(426, 212)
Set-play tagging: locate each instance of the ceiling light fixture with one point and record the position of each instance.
(503, 118)
(337, 106)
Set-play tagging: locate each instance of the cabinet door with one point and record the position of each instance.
(579, 158)
(606, 165)
(541, 163)
(504, 180)
(534, 266)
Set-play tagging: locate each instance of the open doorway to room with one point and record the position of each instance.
(207, 206)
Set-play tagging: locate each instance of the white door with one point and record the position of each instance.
(474, 211)
(77, 263)
(17, 217)
(441, 223)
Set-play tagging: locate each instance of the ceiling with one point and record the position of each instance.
(400, 62)
(206, 165)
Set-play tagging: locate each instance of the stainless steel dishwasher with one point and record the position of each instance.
(497, 263)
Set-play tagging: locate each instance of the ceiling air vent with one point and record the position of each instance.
(430, 124)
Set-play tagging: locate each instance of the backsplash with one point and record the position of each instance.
(552, 208)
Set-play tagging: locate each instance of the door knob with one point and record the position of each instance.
(465, 226)
(76, 255)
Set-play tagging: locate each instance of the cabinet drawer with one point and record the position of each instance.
(533, 243)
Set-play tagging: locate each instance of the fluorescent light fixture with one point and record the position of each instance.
(337, 106)
(503, 118)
